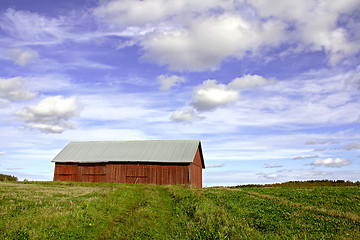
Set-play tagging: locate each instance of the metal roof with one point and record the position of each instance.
(167, 151)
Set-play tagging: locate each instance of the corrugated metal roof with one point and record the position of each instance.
(169, 151)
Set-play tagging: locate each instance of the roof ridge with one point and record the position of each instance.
(137, 140)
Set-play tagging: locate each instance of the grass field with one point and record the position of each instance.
(53, 210)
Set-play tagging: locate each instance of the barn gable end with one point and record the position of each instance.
(148, 162)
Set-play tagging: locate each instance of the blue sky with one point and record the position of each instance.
(271, 88)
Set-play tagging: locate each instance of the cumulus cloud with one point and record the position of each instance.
(196, 47)
(316, 24)
(135, 12)
(186, 35)
(140, 13)
(249, 81)
(331, 162)
(14, 89)
(351, 146)
(305, 157)
(166, 82)
(19, 56)
(185, 115)
(51, 115)
(212, 94)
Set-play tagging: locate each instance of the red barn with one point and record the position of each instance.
(148, 162)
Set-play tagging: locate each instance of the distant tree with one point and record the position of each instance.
(4, 178)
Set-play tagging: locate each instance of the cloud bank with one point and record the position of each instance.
(186, 35)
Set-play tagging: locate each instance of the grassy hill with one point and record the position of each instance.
(53, 210)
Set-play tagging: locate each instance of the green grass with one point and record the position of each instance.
(66, 210)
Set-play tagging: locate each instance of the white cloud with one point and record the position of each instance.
(140, 13)
(185, 115)
(32, 27)
(351, 146)
(19, 56)
(186, 35)
(2, 153)
(215, 165)
(51, 115)
(125, 44)
(331, 162)
(315, 24)
(305, 157)
(14, 89)
(317, 142)
(196, 47)
(166, 82)
(270, 175)
(126, 12)
(248, 81)
(14, 168)
(319, 149)
(272, 166)
(211, 95)
(293, 104)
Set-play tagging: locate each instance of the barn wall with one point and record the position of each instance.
(144, 173)
(66, 172)
(196, 170)
(159, 174)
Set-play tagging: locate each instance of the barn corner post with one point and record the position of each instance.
(146, 162)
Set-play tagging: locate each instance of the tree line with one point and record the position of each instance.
(308, 183)
(4, 178)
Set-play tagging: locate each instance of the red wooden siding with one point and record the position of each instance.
(142, 173)
(66, 172)
(125, 173)
(196, 170)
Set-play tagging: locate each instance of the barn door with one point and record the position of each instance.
(137, 174)
(92, 172)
